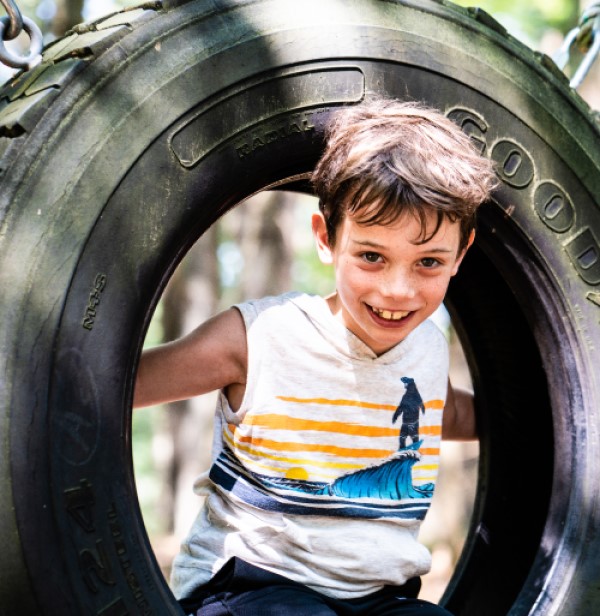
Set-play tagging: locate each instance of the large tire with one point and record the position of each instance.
(138, 132)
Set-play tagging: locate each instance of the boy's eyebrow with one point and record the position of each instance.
(372, 244)
(440, 249)
(369, 243)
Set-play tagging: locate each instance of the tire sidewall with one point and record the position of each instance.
(82, 202)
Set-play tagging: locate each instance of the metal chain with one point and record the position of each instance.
(10, 28)
(586, 37)
(16, 20)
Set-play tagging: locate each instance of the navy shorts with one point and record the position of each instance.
(240, 589)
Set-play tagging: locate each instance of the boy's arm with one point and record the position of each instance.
(211, 357)
(459, 415)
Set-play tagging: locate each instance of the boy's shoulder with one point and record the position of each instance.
(292, 300)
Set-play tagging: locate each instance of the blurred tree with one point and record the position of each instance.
(67, 14)
(182, 432)
(265, 243)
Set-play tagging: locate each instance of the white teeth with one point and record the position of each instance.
(389, 315)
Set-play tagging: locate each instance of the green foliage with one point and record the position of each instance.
(308, 273)
(147, 483)
(529, 21)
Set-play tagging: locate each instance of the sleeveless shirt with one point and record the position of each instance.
(326, 471)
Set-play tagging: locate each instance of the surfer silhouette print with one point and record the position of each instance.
(408, 409)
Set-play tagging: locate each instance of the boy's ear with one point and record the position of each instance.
(319, 228)
(463, 252)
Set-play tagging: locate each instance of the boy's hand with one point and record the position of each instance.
(458, 423)
(213, 356)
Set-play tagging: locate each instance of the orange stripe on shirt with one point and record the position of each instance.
(325, 464)
(431, 430)
(328, 449)
(328, 402)
(430, 451)
(431, 404)
(282, 422)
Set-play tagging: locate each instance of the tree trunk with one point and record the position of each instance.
(183, 440)
(68, 14)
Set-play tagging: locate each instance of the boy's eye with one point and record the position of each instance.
(429, 262)
(371, 257)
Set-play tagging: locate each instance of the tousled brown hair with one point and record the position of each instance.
(385, 158)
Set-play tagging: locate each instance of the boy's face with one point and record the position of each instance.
(387, 283)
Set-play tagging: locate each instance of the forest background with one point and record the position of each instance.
(264, 247)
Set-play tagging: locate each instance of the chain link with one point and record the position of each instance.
(586, 37)
(34, 57)
(10, 28)
(16, 20)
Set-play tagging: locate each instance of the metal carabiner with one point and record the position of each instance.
(588, 27)
(561, 56)
(589, 58)
(34, 57)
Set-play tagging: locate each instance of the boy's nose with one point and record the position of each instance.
(397, 287)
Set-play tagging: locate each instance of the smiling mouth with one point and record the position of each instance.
(390, 315)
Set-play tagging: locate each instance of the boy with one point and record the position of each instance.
(330, 413)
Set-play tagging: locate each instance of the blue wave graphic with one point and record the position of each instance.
(390, 480)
